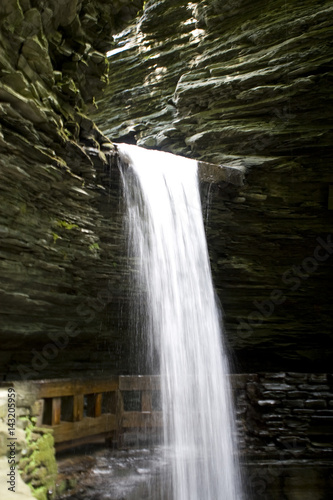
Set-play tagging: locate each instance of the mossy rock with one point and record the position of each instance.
(41, 493)
(61, 486)
(39, 467)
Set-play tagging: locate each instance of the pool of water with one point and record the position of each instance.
(144, 474)
(116, 474)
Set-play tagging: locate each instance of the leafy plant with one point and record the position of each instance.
(66, 225)
(55, 237)
(94, 247)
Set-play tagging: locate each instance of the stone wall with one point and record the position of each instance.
(285, 434)
(285, 415)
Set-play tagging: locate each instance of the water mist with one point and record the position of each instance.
(167, 237)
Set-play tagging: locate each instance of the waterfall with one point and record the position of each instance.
(181, 317)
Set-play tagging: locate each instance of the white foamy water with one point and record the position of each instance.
(166, 234)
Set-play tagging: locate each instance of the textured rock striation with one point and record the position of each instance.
(247, 84)
(60, 247)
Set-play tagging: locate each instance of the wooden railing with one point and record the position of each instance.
(83, 410)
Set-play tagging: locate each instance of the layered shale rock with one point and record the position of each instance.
(241, 84)
(60, 247)
(246, 84)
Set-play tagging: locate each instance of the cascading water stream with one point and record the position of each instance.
(166, 235)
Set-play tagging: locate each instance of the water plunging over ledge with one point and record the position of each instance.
(166, 235)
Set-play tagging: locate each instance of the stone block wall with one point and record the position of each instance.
(285, 416)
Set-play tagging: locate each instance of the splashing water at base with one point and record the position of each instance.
(166, 234)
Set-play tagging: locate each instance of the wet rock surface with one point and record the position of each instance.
(241, 84)
(116, 475)
(284, 416)
(244, 84)
(138, 474)
(61, 242)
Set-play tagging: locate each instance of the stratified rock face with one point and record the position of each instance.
(245, 82)
(61, 243)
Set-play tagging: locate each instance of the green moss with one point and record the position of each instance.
(39, 467)
(72, 483)
(24, 463)
(40, 493)
(55, 237)
(94, 247)
(61, 487)
(66, 225)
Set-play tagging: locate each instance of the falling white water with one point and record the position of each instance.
(166, 233)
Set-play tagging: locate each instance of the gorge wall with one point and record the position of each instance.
(240, 83)
(246, 84)
(60, 247)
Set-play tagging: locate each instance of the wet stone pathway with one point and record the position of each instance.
(102, 474)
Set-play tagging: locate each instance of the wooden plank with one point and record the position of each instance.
(146, 401)
(55, 388)
(56, 411)
(139, 382)
(65, 387)
(133, 419)
(83, 428)
(103, 385)
(98, 404)
(64, 407)
(118, 435)
(78, 407)
(119, 409)
(104, 437)
(94, 405)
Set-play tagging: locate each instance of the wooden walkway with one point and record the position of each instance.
(82, 410)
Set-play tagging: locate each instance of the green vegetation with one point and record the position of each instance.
(66, 225)
(38, 465)
(94, 247)
(55, 237)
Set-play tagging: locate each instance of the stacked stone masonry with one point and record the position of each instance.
(285, 415)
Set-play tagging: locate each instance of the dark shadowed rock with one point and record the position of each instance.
(244, 84)
(61, 245)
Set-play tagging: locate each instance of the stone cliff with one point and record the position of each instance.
(232, 82)
(59, 251)
(245, 83)
(239, 83)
